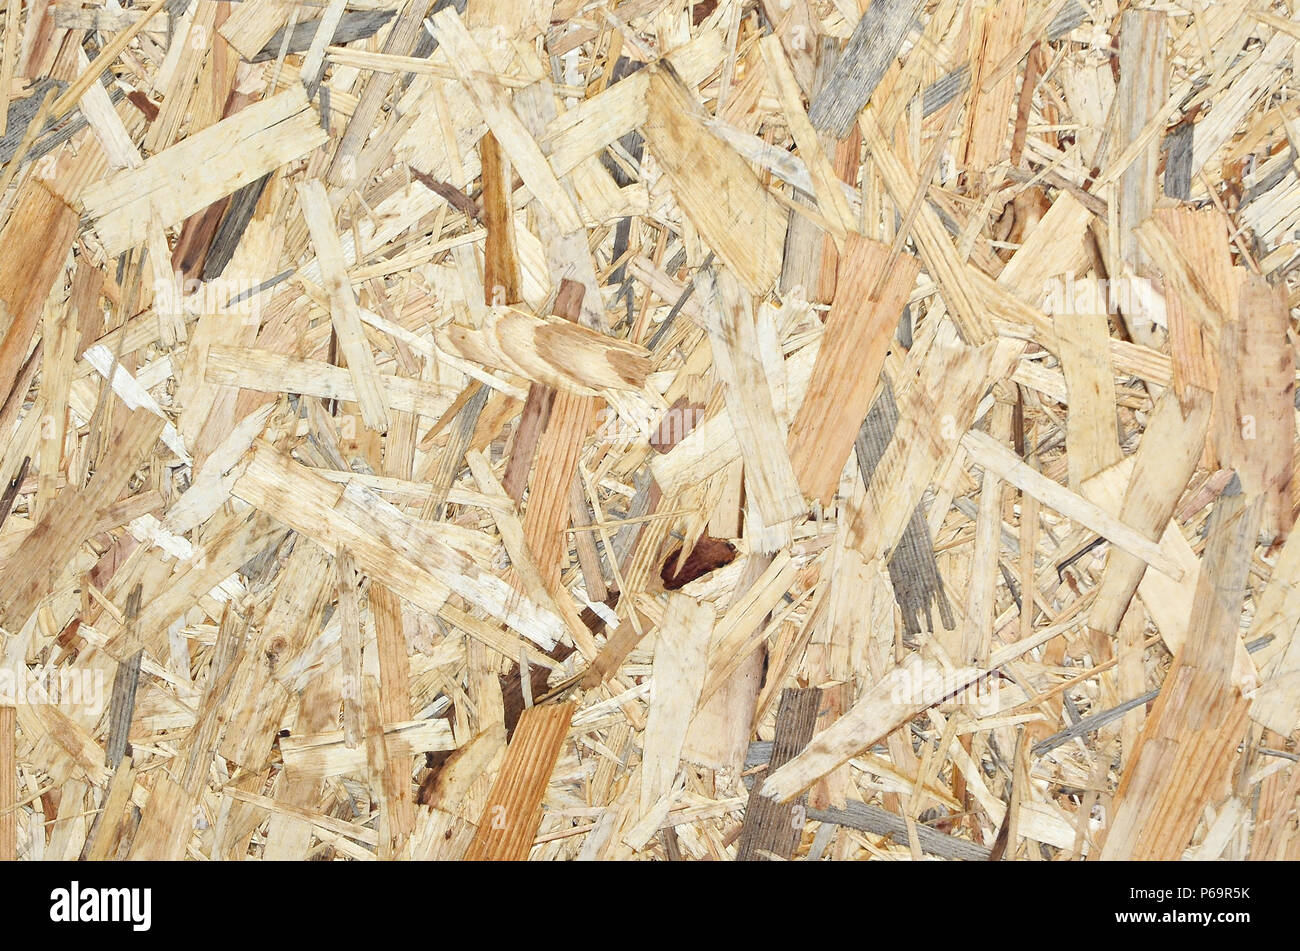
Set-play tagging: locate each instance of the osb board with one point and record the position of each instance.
(547, 430)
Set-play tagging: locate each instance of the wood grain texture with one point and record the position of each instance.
(546, 514)
(344, 315)
(511, 815)
(39, 232)
(771, 829)
(1255, 422)
(724, 200)
(8, 785)
(69, 520)
(378, 379)
(560, 354)
(874, 43)
(1184, 753)
(859, 330)
(208, 165)
(733, 341)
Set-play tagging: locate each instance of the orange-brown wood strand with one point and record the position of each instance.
(33, 246)
(562, 422)
(501, 266)
(513, 810)
(8, 786)
(854, 344)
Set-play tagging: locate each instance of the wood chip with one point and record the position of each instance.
(793, 430)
